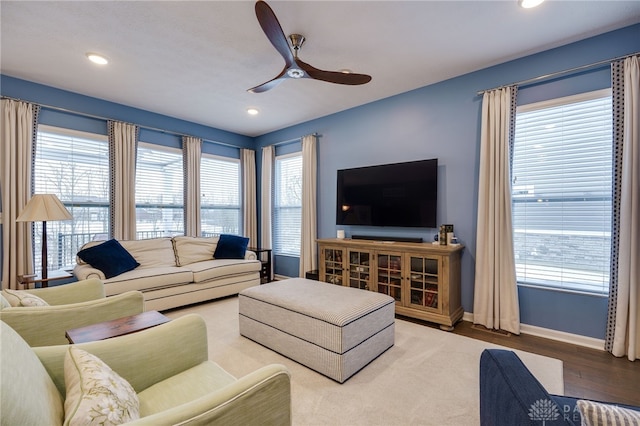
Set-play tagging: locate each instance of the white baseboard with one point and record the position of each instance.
(548, 333)
(277, 277)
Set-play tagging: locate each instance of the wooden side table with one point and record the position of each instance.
(27, 280)
(265, 272)
(116, 327)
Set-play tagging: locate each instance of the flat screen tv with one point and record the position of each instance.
(399, 194)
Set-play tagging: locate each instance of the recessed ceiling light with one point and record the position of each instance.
(252, 111)
(97, 59)
(528, 4)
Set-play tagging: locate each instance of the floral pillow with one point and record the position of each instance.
(96, 395)
(19, 298)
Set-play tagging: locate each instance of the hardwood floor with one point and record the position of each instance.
(588, 373)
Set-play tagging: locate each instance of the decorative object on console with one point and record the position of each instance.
(231, 247)
(445, 235)
(448, 231)
(43, 208)
(109, 257)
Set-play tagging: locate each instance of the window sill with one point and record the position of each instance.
(564, 290)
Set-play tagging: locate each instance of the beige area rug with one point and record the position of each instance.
(429, 377)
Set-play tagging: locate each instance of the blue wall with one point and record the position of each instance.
(440, 120)
(46, 95)
(443, 120)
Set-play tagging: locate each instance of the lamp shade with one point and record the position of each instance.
(42, 208)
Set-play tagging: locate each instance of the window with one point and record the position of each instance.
(287, 205)
(561, 192)
(220, 195)
(74, 166)
(159, 192)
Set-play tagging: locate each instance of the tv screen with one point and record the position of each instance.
(399, 194)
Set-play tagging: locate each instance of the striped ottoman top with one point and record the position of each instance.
(330, 303)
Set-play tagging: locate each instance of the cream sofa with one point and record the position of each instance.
(177, 271)
(168, 368)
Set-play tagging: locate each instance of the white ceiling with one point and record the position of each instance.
(194, 60)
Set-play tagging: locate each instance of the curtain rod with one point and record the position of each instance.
(316, 134)
(560, 73)
(98, 117)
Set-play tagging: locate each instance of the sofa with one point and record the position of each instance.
(511, 395)
(163, 373)
(176, 271)
(67, 306)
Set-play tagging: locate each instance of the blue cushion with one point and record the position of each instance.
(231, 247)
(109, 257)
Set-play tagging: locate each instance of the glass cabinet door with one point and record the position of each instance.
(389, 275)
(334, 272)
(359, 269)
(423, 282)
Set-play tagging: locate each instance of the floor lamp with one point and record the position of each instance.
(43, 208)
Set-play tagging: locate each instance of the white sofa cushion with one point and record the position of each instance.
(192, 249)
(148, 253)
(151, 253)
(217, 268)
(144, 279)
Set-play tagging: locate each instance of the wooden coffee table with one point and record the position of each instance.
(116, 327)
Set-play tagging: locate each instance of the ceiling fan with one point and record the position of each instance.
(294, 67)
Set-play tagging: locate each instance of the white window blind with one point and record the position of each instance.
(74, 166)
(287, 205)
(159, 192)
(220, 195)
(561, 189)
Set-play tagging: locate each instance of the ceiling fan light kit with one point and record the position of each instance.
(294, 67)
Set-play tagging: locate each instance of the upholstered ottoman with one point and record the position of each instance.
(331, 329)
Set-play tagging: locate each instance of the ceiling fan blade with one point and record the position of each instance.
(272, 29)
(337, 77)
(269, 84)
(266, 86)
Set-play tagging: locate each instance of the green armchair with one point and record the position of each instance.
(71, 306)
(168, 368)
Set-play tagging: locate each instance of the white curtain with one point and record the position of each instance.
(250, 220)
(495, 294)
(16, 159)
(626, 339)
(123, 140)
(308, 247)
(268, 155)
(191, 152)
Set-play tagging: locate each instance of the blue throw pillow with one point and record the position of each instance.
(109, 257)
(231, 247)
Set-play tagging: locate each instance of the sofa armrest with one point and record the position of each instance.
(46, 325)
(250, 255)
(143, 358)
(75, 292)
(85, 271)
(508, 391)
(262, 397)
